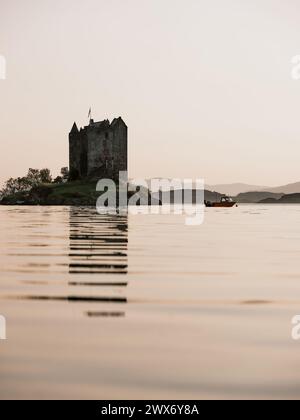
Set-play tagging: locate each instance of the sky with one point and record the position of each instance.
(205, 87)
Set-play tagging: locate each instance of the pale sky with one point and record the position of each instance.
(205, 87)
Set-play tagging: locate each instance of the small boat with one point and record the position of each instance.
(224, 202)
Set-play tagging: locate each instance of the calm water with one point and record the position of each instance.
(146, 307)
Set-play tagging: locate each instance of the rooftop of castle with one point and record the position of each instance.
(99, 124)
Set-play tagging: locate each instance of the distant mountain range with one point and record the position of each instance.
(285, 199)
(235, 189)
(238, 188)
(241, 193)
(261, 197)
(257, 196)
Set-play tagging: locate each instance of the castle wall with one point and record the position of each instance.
(78, 153)
(120, 153)
(99, 150)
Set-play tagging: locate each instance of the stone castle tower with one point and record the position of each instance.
(98, 150)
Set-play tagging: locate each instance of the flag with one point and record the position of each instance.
(90, 113)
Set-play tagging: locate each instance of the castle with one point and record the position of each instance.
(98, 150)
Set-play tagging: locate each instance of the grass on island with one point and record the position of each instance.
(73, 192)
(74, 189)
(82, 192)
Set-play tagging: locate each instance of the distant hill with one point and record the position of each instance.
(262, 197)
(268, 201)
(238, 188)
(235, 189)
(257, 196)
(175, 197)
(287, 189)
(285, 199)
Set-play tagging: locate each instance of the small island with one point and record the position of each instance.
(96, 151)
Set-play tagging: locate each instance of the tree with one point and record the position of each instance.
(65, 173)
(15, 185)
(45, 176)
(34, 178)
(58, 180)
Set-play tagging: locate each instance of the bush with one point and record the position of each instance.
(58, 180)
(65, 173)
(34, 178)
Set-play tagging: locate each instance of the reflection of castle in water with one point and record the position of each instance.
(98, 255)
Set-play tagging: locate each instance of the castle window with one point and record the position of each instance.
(112, 163)
(106, 136)
(106, 163)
